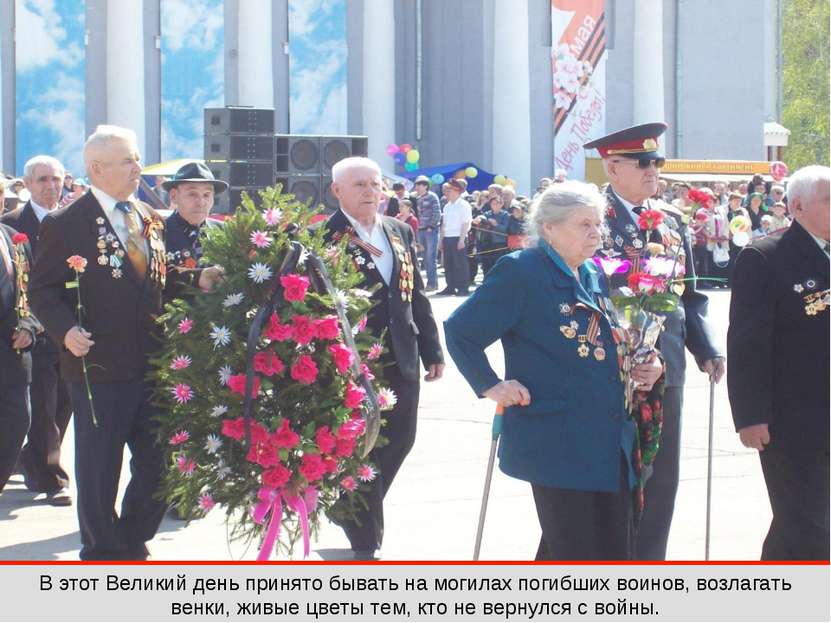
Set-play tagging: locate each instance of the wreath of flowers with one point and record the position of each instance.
(304, 453)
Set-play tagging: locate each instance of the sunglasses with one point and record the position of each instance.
(646, 162)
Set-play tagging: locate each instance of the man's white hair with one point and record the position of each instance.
(49, 161)
(353, 162)
(102, 136)
(807, 181)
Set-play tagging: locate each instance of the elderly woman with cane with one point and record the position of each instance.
(565, 430)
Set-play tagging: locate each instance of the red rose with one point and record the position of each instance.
(276, 477)
(294, 286)
(268, 364)
(345, 447)
(325, 439)
(342, 357)
(237, 385)
(284, 437)
(20, 239)
(304, 370)
(304, 329)
(354, 396)
(235, 429)
(259, 434)
(646, 412)
(327, 328)
(277, 332)
(312, 467)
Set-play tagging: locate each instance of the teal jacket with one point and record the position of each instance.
(572, 433)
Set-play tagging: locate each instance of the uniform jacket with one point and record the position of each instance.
(15, 367)
(688, 324)
(401, 309)
(778, 344)
(120, 311)
(572, 432)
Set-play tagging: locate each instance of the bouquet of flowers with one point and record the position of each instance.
(267, 409)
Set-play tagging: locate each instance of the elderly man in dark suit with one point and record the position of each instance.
(40, 459)
(17, 334)
(631, 160)
(778, 378)
(121, 240)
(384, 249)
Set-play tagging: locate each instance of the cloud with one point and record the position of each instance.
(39, 35)
(313, 91)
(192, 24)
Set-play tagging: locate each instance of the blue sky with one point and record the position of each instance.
(50, 97)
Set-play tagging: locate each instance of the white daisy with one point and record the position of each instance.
(225, 374)
(219, 410)
(223, 471)
(341, 298)
(221, 336)
(232, 299)
(386, 398)
(259, 272)
(212, 444)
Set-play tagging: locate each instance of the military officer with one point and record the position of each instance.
(632, 160)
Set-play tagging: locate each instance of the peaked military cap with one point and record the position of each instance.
(637, 142)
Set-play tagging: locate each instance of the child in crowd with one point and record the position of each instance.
(779, 219)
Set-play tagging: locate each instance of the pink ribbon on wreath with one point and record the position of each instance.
(270, 501)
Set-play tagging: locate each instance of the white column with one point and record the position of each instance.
(512, 95)
(648, 62)
(256, 78)
(2, 144)
(125, 66)
(378, 97)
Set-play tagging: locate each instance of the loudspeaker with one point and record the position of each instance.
(336, 148)
(239, 147)
(303, 187)
(296, 155)
(243, 173)
(233, 120)
(231, 199)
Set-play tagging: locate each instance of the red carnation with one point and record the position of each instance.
(276, 477)
(325, 439)
(235, 429)
(263, 454)
(304, 329)
(330, 464)
(237, 385)
(650, 219)
(284, 437)
(312, 467)
(327, 328)
(342, 357)
(294, 286)
(354, 396)
(345, 447)
(268, 364)
(277, 332)
(20, 239)
(304, 370)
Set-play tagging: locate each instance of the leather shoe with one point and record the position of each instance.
(60, 497)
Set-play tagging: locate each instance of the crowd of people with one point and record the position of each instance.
(573, 426)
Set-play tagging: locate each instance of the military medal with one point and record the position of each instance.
(599, 353)
(583, 349)
(565, 309)
(797, 287)
(568, 332)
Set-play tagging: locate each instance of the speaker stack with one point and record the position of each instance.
(242, 149)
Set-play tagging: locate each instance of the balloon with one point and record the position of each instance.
(739, 224)
(437, 178)
(471, 172)
(392, 149)
(405, 147)
(741, 239)
(413, 155)
(510, 182)
(400, 158)
(411, 166)
(778, 171)
(499, 179)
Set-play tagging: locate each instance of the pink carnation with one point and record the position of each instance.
(182, 393)
(362, 324)
(328, 327)
(354, 396)
(342, 356)
(180, 363)
(304, 329)
(261, 239)
(185, 465)
(352, 429)
(236, 384)
(348, 483)
(206, 502)
(312, 467)
(284, 437)
(277, 332)
(295, 287)
(268, 364)
(304, 370)
(179, 438)
(325, 439)
(366, 473)
(345, 447)
(276, 477)
(185, 325)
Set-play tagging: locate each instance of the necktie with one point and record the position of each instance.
(638, 209)
(135, 242)
(6, 276)
(827, 248)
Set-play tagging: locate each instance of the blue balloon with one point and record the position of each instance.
(400, 158)
(437, 178)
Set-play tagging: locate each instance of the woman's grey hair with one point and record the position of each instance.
(560, 201)
(31, 163)
(805, 182)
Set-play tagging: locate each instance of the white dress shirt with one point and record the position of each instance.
(456, 213)
(378, 239)
(40, 211)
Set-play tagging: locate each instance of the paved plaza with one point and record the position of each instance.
(433, 507)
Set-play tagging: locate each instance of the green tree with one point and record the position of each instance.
(805, 42)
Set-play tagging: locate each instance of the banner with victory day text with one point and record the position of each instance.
(578, 35)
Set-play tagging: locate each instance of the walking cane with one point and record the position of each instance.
(709, 470)
(496, 430)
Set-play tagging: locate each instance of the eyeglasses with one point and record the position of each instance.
(646, 162)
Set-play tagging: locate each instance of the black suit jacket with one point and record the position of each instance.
(410, 327)
(24, 220)
(119, 312)
(15, 367)
(688, 324)
(778, 350)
